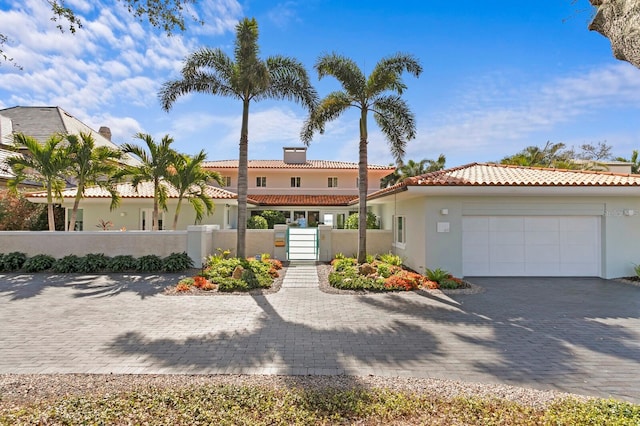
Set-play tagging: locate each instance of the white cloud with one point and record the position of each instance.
(283, 13)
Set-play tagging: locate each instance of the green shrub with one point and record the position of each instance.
(13, 261)
(93, 262)
(593, 412)
(349, 279)
(636, 269)
(273, 217)
(177, 262)
(39, 262)
(257, 222)
(391, 259)
(437, 275)
(149, 263)
(122, 263)
(255, 274)
(67, 264)
(352, 221)
(340, 264)
(385, 270)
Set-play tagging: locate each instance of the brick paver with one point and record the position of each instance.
(575, 335)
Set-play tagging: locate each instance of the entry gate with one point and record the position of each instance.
(302, 243)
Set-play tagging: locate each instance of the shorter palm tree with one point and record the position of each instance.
(635, 163)
(190, 180)
(91, 165)
(44, 163)
(156, 162)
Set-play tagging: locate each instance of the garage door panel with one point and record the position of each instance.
(506, 237)
(546, 253)
(506, 224)
(531, 245)
(507, 253)
(542, 237)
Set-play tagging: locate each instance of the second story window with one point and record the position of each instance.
(261, 181)
(332, 182)
(226, 180)
(295, 182)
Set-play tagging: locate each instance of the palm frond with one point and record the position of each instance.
(329, 109)
(345, 70)
(396, 121)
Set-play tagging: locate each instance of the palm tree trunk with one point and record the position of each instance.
(76, 203)
(154, 216)
(175, 217)
(243, 181)
(50, 217)
(362, 189)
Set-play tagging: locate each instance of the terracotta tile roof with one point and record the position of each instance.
(482, 174)
(144, 190)
(279, 164)
(302, 200)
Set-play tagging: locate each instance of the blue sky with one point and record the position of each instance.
(498, 75)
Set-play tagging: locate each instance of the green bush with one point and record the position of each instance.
(93, 262)
(257, 222)
(13, 261)
(349, 279)
(149, 263)
(67, 264)
(340, 264)
(255, 274)
(177, 262)
(352, 221)
(273, 217)
(38, 263)
(122, 263)
(437, 275)
(391, 259)
(593, 412)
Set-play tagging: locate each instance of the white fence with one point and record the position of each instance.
(198, 241)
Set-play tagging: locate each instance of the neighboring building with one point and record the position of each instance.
(498, 220)
(136, 208)
(318, 191)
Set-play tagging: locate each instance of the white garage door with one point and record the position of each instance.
(531, 245)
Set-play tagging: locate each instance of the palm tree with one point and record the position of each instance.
(412, 168)
(190, 180)
(551, 155)
(45, 163)
(155, 166)
(379, 93)
(91, 165)
(246, 78)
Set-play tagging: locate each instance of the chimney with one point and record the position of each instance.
(105, 132)
(293, 155)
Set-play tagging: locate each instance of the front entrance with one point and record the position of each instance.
(302, 243)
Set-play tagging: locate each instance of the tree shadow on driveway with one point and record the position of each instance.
(558, 332)
(24, 286)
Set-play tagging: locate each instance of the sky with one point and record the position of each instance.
(498, 75)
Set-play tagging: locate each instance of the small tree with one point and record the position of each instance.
(273, 217)
(257, 222)
(353, 221)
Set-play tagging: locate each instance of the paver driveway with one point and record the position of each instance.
(575, 335)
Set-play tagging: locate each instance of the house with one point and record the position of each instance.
(317, 191)
(136, 207)
(498, 220)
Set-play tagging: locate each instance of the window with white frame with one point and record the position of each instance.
(332, 182)
(399, 231)
(261, 181)
(295, 182)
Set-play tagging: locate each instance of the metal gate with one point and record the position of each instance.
(302, 243)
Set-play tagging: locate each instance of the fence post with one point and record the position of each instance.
(324, 243)
(200, 242)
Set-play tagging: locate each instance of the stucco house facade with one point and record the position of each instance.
(497, 220)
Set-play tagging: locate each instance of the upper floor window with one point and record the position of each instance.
(261, 181)
(295, 182)
(332, 182)
(226, 181)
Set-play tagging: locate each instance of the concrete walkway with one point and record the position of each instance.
(573, 335)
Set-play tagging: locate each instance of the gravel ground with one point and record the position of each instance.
(19, 390)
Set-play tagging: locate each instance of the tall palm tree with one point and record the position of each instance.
(45, 163)
(190, 180)
(379, 93)
(91, 165)
(247, 78)
(155, 166)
